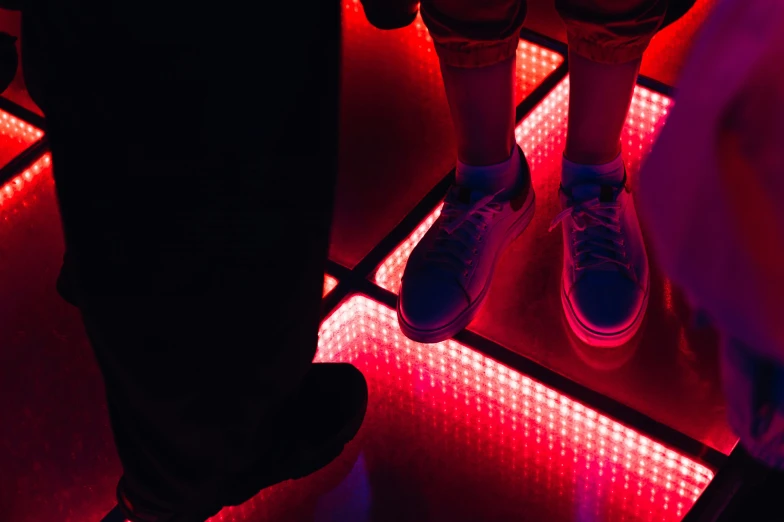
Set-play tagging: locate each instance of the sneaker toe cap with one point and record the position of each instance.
(431, 302)
(606, 302)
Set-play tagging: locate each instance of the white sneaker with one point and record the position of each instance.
(606, 280)
(449, 272)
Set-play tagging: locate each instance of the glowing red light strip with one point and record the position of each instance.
(329, 284)
(363, 327)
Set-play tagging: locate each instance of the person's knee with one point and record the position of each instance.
(472, 34)
(611, 31)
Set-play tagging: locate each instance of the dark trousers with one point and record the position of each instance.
(195, 167)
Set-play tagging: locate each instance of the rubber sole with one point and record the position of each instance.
(603, 340)
(464, 318)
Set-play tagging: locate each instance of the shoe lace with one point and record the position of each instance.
(461, 227)
(597, 238)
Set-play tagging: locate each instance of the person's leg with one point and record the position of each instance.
(476, 45)
(478, 75)
(448, 274)
(599, 98)
(481, 101)
(180, 223)
(606, 43)
(605, 271)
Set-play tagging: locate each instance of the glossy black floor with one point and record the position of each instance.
(512, 419)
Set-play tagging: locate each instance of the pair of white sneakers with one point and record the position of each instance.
(605, 281)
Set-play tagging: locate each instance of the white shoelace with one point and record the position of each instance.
(598, 239)
(461, 227)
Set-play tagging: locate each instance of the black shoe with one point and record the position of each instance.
(326, 415)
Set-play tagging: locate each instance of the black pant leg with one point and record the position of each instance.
(195, 181)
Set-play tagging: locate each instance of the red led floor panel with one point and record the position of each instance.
(396, 137)
(452, 435)
(15, 187)
(15, 136)
(11, 23)
(523, 310)
(329, 284)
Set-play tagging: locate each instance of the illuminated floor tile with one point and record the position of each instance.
(535, 135)
(329, 284)
(15, 136)
(453, 435)
(16, 186)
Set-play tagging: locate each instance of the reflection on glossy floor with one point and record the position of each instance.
(667, 53)
(669, 371)
(453, 436)
(14, 191)
(396, 136)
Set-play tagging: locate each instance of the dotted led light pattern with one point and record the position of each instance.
(16, 185)
(588, 458)
(534, 63)
(390, 273)
(542, 135)
(329, 284)
(15, 136)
